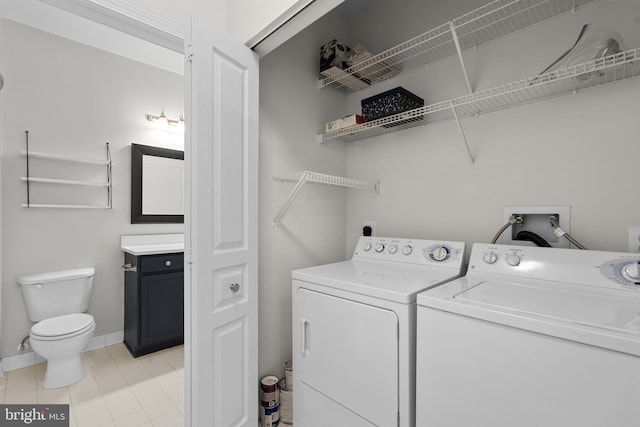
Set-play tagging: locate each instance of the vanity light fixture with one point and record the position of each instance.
(163, 119)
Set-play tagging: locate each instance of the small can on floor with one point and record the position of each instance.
(269, 392)
(270, 416)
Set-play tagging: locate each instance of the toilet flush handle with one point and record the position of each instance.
(129, 267)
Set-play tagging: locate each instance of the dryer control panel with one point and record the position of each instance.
(414, 251)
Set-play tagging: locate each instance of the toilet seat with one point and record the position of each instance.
(62, 327)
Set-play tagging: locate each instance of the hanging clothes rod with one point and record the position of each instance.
(304, 177)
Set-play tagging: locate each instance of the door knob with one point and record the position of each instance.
(235, 287)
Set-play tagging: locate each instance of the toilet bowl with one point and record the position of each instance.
(57, 302)
(61, 341)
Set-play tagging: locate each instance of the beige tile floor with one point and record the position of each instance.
(117, 389)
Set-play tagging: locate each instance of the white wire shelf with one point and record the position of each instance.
(30, 179)
(485, 24)
(48, 156)
(301, 178)
(42, 205)
(610, 69)
(65, 181)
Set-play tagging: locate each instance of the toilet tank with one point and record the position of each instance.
(56, 293)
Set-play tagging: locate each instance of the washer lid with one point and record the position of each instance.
(601, 317)
(62, 325)
(392, 281)
(609, 312)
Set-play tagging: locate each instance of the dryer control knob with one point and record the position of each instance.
(407, 250)
(440, 253)
(366, 246)
(380, 248)
(393, 249)
(513, 260)
(490, 258)
(632, 271)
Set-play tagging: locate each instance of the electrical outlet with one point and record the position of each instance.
(634, 239)
(536, 220)
(372, 225)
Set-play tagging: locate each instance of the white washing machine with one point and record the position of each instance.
(354, 331)
(532, 337)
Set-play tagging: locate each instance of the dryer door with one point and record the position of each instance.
(348, 352)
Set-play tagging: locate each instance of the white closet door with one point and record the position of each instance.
(349, 353)
(221, 153)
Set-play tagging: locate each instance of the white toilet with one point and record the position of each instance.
(57, 301)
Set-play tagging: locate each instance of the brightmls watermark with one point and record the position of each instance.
(34, 415)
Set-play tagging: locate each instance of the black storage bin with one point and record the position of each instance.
(388, 103)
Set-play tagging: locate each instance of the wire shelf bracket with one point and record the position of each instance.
(464, 136)
(301, 178)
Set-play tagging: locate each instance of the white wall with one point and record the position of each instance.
(312, 231)
(246, 20)
(73, 98)
(176, 12)
(2, 43)
(578, 150)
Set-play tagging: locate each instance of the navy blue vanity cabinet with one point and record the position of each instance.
(153, 302)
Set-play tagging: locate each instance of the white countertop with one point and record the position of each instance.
(150, 244)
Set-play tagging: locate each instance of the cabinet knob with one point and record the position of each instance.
(167, 263)
(235, 287)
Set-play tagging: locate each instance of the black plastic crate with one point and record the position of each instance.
(391, 102)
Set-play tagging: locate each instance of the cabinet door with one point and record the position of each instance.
(161, 308)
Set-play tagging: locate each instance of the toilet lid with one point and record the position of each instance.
(69, 324)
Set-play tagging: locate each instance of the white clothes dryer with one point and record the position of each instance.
(532, 337)
(354, 331)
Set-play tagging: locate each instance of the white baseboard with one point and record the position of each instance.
(18, 361)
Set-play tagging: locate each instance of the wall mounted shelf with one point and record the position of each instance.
(301, 178)
(490, 22)
(67, 182)
(610, 69)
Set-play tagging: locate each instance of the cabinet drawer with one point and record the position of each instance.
(159, 263)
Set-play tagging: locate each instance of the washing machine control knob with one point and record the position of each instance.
(366, 246)
(407, 250)
(632, 271)
(441, 253)
(513, 260)
(380, 248)
(393, 249)
(490, 258)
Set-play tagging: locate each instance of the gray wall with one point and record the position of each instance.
(73, 99)
(576, 150)
(312, 231)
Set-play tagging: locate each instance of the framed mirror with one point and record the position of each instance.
(157, 185)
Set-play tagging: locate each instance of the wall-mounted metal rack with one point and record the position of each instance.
(485, 24)
(29, 179)
(301, 178)
(610, 69)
